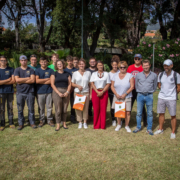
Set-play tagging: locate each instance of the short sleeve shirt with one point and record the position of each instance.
(51, 66)
(88, 69)
(122, 85)
(83, 81)
(44, 74)
(34, 68)
(61, 79)
(100, 83)
(112, 74)
(71, 71)
(6, 74)
(168, 86)
(24, 88)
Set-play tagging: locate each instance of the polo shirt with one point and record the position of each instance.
(146, 84)
(83, 81)
(51, 66)
(168, 88)
(6, 74)
(44, 74)
(24, 88)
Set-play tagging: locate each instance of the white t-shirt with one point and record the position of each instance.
(112, 74)
(122, 85)
(100, 83)
(83, 81)
(168, 87)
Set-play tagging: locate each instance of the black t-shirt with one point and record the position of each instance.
(61, 80)
(88, 69)
(24, 88)
(6, 74)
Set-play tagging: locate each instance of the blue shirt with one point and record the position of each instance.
(70, 71)
(6, 74)
(24, 88)
(44, 74)
(34, 68)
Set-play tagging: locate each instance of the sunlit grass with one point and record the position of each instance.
(89, 154)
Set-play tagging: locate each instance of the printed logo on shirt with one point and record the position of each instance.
(28, 72)
(6, 72)
(172, 79)
(46, 73)
(134, 73)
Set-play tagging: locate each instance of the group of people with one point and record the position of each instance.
(60, 82)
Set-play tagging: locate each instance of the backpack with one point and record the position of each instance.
(175, 80)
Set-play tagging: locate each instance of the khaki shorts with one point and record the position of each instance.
(127, 100)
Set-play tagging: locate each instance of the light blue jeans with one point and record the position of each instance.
(143, 99)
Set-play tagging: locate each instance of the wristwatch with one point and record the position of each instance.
(126, 93)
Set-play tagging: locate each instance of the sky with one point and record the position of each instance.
(33, 20)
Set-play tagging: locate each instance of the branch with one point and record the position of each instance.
(7, 16)
(2, 4)
(12, 13)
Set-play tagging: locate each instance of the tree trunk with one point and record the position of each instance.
(42, 46)
(85, 44)
(17, 34)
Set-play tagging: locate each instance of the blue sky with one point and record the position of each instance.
(33, 20)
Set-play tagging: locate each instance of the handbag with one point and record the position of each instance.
(120, 109)
(79, 102)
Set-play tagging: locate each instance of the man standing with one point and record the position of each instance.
(75, 62)
(146, 84)
(25, 80)
(92, 68)
(70, 69)
(169, 85)
(54, 58)
(134, 69)
(33, 60)
(6, 92)
(44, 91)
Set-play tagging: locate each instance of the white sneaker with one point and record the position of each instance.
(128, 129)
(80, 126)
(114, 123)
(85, 125)
(118, 127)
(173, 136)
(158, 132)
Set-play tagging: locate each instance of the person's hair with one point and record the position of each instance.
(146, 61)
(43, 58)
(75, 58)
(115, 58)
(33, 55)
(69, 58)
(112, 61)
(92, 58)
(82, 60)
(123, 63)
(57, 56)
(3, 57)
(63, 62)
(100, 62)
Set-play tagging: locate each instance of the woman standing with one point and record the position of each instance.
(114, 64)
(80, 81)
(61, 84)
(100, 83)
(122, 86)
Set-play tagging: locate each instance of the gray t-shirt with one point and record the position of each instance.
(122, 85)
(168, 86)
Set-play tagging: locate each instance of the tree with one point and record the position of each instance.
(43, 9)
(14, 10)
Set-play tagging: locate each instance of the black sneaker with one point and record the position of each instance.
(20, 128)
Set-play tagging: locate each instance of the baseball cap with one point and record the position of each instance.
(168, 62)
(138, 55)
(22, 57)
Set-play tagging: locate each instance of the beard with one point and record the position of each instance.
(93, 66)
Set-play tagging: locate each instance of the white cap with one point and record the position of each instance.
(168, 62)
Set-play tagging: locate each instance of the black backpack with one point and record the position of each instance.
(175, 80)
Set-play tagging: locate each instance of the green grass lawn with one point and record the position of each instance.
(89, 154)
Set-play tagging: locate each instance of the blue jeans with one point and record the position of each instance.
(143, 99)
(29, 98)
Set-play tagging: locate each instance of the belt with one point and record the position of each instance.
(100, 89)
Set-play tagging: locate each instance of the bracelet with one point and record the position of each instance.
(126, 93)
(67, 92)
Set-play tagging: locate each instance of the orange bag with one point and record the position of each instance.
(79, 102)
(120, 109)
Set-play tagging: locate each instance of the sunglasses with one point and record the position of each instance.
(137, 59)
(122, 67)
